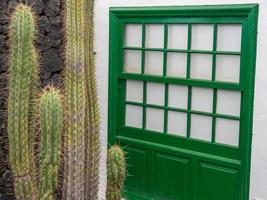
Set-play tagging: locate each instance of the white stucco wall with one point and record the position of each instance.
(259, 153)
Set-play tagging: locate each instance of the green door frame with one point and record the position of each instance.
(247, 14)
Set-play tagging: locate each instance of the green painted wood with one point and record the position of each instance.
(182, 81)
(216, 182)
(177, 173)
(164, 166)
(137, 165)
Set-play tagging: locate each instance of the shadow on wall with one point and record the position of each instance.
(50, 43)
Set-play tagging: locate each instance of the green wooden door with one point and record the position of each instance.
(181, 90)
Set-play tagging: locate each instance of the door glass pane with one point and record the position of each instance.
(176, 64)
(134, 116)
(155, 119)
(229, 37)
(202, 99)
(227, 68)
(202, 37)
(132, 61)
(201, 127)
(177, 36)
(154, 63)
(133, 35)
(178, 96)
(227, 131)
(154, 36)
(228, 102)
(134, 91)
(155, 93)
(177, 123)
(201, 66)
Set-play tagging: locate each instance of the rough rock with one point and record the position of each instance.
(44, 25)
(51, 60)
(2, 41)
(3, 5)
(52, 7)
(11, 6)
(55, 21)
(37, 5)
(4, 29)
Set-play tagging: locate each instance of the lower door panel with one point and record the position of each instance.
(155, 174)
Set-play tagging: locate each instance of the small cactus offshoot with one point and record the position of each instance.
(51, 124)
(116, 173)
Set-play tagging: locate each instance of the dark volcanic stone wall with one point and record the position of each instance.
(50, 44)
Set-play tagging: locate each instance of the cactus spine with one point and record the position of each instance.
(92, 153)
(75, 100)
(51, 124)
(116, 170)
(22, 82)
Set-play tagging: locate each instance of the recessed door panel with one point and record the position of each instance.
(136, 162)
(216, 182)
(171, 184)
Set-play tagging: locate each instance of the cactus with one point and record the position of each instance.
(51, 124)
(23, 72)
(75, 100)
(92, 145)
(82, 144)
(116, 170)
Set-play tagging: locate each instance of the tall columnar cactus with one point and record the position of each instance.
(92, 153)
(75, 101)
(51, 124)
(82, 114)
(116, 170)
(23, 71)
